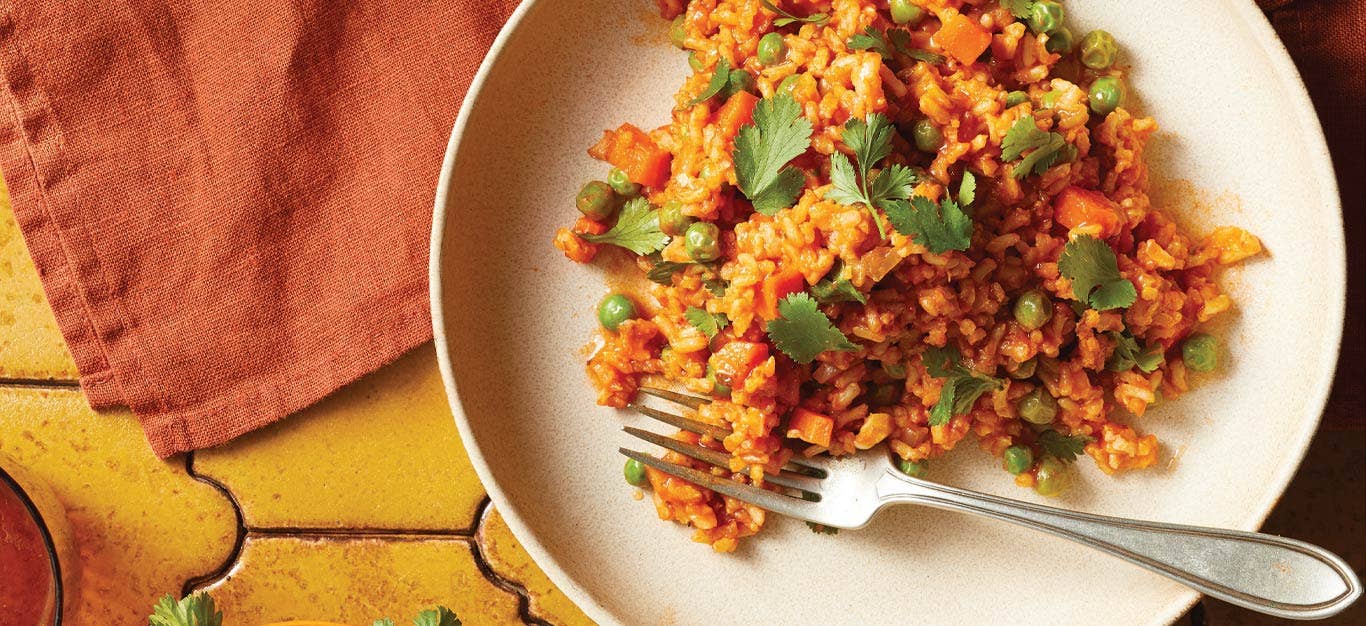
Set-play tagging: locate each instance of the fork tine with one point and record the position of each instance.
(776, 502)
(678, 421)
(714, 457)
(690, 401)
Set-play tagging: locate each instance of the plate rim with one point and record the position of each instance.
(1320, 165)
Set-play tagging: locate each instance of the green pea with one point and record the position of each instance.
(635, 472)
(596, 200)
(700, 240)
(1098, 50)
(738, 81)
(895, 370)
(1016, 98)
(788, 85)
(694, 62)
(1049, 99)
(621, 183)
(771, 49)
(928, 137)
(677, 32)
(1025, 371)
(672, 220)
(903, 12)
(916, 469)
(1045, 17)
(614, 310)
(1018, 459)
(1059, 41)
(1037, 407)
(1033, 309)
(1200, 352)
(718, 388)
(1106, 94)
(1052, 477)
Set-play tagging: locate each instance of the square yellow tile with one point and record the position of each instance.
(142, 526)
(507, 559)
(31, 347)
(358, 580)
(382, 453)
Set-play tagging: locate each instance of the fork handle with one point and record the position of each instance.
(1273, 575)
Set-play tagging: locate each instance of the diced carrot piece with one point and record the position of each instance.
(1075, 208)
(585, 226)
(811, 427)
(736, 112)
(631, 150)
(775, 288)
(962, 38)
(734, 361)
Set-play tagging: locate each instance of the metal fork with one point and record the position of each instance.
(1273, 575)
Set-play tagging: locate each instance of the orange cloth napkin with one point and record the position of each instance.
(229, 203)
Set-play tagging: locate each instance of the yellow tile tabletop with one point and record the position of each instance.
(31, 347)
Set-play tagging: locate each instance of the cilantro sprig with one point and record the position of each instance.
(1062, 447)
(763, 149)
(871, 142)
(1094, 271)
(887, 42)
(939, 227)
(1045, 148)
(1129, 354)
(637, 229)
(962, 386)
(1019, 8)
(709, 323)
(196, 609)
(720, 77)
(833, 287)
(803, 332)
(788, 18)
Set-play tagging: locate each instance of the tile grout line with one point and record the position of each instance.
(477, 551)
(40, 383)
(469, 535)
(238, 543)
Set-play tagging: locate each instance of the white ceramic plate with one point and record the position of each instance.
(1240, 144)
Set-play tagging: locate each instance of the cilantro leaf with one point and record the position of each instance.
(788, 18)
(894, 39)
(941, 362)
(383, 622)
(1019, 8)
(901, 41)
(1026, 135)
(1061, 446)
(962, 386)
(967, 189)
(833, 288)
(803, 332)
(708, 323)
(940, 228)
(196, 609)
(1128, 354)
(716, 286)
(663, 271)
(1023, 135)
(1094, 271)
(870, 39)
(871, 142)
(762, 150)
(719, 78)
(637, 229)
(440, 616)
